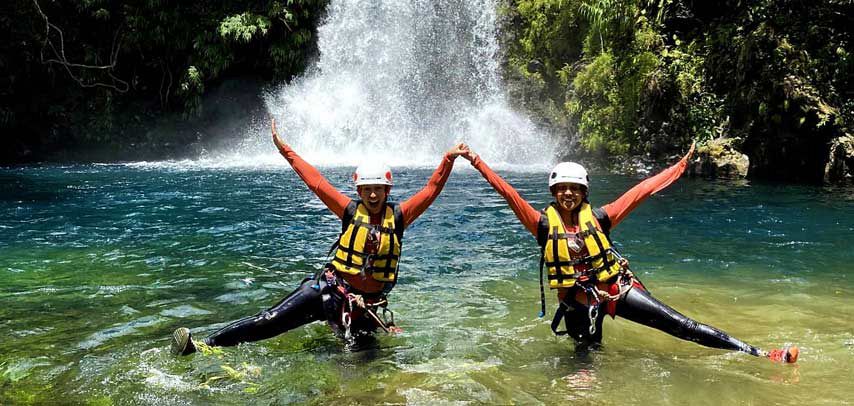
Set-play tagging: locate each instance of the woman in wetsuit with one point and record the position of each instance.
(591, 277)
(353, 287)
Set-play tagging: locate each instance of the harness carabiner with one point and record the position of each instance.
(593, 314)
(592, 307)
(345, 322)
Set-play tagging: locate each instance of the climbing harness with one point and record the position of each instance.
(595, 296)
(386, 322)
(588, 278)
(343, 306)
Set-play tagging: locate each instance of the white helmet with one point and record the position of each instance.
(372, 173)
(568, 172)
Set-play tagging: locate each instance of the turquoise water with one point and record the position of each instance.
(99, 263)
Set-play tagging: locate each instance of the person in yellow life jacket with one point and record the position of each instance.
(350, 293)
(591, 277)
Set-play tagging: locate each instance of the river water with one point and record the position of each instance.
(99, 263)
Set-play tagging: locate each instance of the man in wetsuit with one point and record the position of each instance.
(355, 284)
(589, 273)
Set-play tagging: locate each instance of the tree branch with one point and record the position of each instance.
(164, 99)
(59, 57)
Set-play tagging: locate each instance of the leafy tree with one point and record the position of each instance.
(649, 76)
(77, 68)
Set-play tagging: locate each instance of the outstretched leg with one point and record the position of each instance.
(640, 307)
(302, 306)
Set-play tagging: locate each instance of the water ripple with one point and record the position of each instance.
(104, 261)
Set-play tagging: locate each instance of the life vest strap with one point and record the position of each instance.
(363, 254)
(363, 224)
(542, 290)
(603, 252)
(558, 272)
(588, 274)
(579, 261)
(386, 256)
(366, 258)
(387, 269)
(352, 251)
(580, 234)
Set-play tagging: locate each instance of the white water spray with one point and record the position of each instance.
(402, 81)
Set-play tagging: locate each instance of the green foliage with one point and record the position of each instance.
(650, 76)
(608, 18)
(615, 86)
(244, 27)
(119, 56)
(704, 110)
(191, 88)
(547, 35)
(100, 401)
(596, 88)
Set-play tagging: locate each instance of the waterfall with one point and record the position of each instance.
(402, 81)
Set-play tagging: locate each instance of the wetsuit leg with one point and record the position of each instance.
(363, 325)
(302, 306)
(640, 307)
(577, 321)
(362, 330)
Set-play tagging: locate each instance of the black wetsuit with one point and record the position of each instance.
(304, 305)
(638, 306)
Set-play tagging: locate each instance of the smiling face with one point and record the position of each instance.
(373, 196)
(568, 196)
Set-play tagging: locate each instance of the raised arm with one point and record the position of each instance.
(419, 202)
(620, 208)
(527, 214)
(331, 197)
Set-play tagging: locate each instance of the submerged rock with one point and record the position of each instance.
(840, 160)
(719, 158)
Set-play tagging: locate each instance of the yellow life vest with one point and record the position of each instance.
(352, 256)
(561, 261)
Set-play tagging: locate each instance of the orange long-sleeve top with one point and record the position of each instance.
(336, 201)
(616, 210)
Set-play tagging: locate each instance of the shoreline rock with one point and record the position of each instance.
(840, 160)
(719, 158)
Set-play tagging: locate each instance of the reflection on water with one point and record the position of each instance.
(100, 263)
